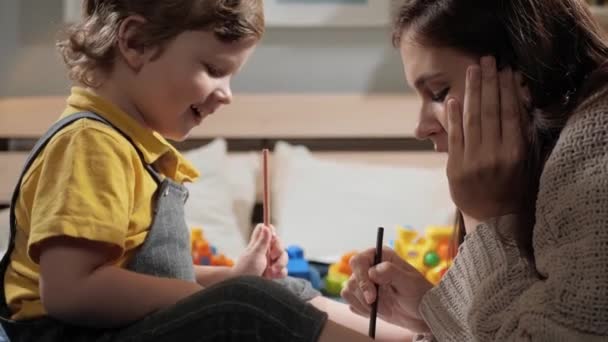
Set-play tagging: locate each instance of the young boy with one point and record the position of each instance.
(99, 247)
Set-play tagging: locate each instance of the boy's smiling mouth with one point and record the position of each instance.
(196, 113)
(199, 113)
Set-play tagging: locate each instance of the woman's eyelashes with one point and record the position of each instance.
(440, 96)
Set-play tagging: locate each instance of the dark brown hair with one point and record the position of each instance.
(90, 44)
(557, 46)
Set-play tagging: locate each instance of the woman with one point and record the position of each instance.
(515, 92)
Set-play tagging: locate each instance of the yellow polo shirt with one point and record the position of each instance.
(88, 182)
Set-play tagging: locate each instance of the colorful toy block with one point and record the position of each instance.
(299, 267)
(205, 254)
(429, 253)
(338, 274)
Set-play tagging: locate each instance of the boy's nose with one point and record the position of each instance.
(223, 91)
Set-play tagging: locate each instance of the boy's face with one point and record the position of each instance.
(188, 81)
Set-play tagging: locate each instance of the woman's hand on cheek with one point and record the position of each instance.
(487, 148)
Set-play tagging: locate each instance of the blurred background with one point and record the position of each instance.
(289, 59)
(325, 90)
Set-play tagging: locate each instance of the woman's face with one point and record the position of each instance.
(436, 74)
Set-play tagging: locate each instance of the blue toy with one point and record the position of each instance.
(298, 267)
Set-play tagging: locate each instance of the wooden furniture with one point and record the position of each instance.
(375, 129)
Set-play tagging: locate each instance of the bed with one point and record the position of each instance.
(342, 164)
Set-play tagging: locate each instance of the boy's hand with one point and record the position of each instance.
(254, 260)
(277, 258)
(264, 255)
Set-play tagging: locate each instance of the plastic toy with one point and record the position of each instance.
(299, 267)
(429, 254)
(338, 274)
(205, 254)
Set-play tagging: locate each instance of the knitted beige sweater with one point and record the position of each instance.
(493, 294)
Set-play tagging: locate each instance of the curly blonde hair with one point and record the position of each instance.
(89, 45)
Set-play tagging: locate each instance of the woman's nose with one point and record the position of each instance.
(427, 126)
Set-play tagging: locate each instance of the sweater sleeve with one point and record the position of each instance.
(493, 293)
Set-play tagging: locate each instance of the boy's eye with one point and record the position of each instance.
(440, 96)
(213, 71)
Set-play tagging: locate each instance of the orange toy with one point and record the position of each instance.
(338, 274)
(344, 264)
(205, 254)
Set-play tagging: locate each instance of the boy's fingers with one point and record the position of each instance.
(278, 266)
(273, 230)
(276, 249)
(275, 272)
(282, 260)
(255, 236)
(282, 273)
(261, 243)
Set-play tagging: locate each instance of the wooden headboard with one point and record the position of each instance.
(361, 128)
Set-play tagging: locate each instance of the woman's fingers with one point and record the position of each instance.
(386, 273)
(455, 131)
(387, 303)
(525, 105)
(354, 297)
(490, 104)
(472, 110)
(510, 107)
(360, 265)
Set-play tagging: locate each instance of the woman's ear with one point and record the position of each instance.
(129, 47)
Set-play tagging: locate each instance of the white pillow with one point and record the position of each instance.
(210, 204)
(331, 208)
(243, 171)
(5, 228)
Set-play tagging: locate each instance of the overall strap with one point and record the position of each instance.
(38, 147)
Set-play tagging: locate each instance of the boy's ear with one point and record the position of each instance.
(129, 46)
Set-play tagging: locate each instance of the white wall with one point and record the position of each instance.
(288, 60)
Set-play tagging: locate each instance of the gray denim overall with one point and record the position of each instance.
(261, 310)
